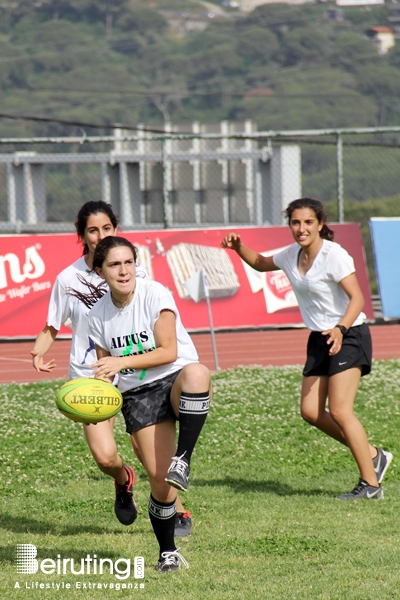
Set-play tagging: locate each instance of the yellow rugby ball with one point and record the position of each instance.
(88, 400)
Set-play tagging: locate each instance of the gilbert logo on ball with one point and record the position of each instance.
(88, 400)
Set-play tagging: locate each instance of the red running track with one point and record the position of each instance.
(271, 347)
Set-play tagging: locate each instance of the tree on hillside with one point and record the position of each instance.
(55, 45)
(380, 80)
(143, 20)
(12, 11)
(105, 10)
(259, 47)
(15, 10)
(7, 53)
(220, 60)
(383, 83)
(304, 44)
(56, 9)
(216, 33)
(277, 17)
(313, 99)
(351, 52)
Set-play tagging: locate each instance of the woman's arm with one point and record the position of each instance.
(165, 352)
(251, 257)
(42, 345)
(351, 287)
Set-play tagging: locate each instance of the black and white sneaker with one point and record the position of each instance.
(178, 473)
(170, 561)
(363, 491)
(125, 506)
(183, 524)
(381, 463)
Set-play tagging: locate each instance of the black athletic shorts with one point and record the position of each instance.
(149, 404)
(356, 351)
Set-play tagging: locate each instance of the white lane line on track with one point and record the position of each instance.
(16, 359)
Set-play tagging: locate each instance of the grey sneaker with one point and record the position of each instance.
(178, 473)
(381, 463)
(170, 561)
(363, 491)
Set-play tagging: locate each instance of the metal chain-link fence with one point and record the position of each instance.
(223, 174)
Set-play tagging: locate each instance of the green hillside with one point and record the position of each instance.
(103, 62)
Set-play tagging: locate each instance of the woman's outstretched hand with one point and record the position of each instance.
(232, 241)
(39, 365)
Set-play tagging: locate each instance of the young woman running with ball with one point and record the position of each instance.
(139, 336)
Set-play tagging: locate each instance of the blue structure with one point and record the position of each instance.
(385, 234)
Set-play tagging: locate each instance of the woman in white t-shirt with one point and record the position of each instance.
(95, 220)
(339, 349)
(75, 291)
(138, 335)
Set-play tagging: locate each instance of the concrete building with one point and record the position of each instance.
(206, 174)
(383, 38)
(181, 23)
(249, 5)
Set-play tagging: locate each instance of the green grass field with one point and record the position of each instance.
(262, 495)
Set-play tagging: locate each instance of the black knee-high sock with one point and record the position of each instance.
(162, 518)
(193, 410)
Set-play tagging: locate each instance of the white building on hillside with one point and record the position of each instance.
(383, 38)
(250, 5)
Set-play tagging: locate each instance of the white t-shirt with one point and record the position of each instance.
(63, 306)
(322, 301)
(130, 331)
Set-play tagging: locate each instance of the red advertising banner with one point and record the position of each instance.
(240, 296)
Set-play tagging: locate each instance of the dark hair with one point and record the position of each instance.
(319, 210)
(106, 244)
(94, 293)
(93, 208)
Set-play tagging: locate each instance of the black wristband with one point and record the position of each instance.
(343, 329)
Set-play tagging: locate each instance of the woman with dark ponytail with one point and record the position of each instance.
(95, 221)
(339, 349)
(76, 289)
